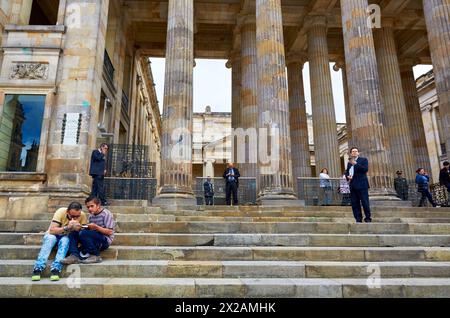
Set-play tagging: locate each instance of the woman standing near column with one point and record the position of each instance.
(325, 186)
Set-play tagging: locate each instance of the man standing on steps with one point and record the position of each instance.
(356, 174)
(231, 176)
(208, 191)
(97, 171)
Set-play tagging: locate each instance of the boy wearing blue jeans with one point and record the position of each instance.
(64, 221)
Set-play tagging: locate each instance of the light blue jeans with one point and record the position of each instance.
(48, 242)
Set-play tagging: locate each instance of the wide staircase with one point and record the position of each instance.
(244, 251)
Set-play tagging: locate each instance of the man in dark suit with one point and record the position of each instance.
(231, 176)
(97, 171)
(208, 191)
(356, 174)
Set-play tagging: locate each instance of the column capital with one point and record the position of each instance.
(234, 57)
(296, 58)
(315, 20)
(339, 64)
(245, 19)
(407, 63)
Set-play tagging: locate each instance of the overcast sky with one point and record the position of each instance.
(212, 85)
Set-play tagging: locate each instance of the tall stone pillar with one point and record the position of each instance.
(275, 175)
(301, 163)
(415, 121)
(400, 146)
(349, 113)
(249, 103)
(326, 148)
(235, 64)
(437, 18)
(369, 133)
(78, 95)
(176, 152)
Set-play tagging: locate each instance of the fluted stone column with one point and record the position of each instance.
(349, 113)
(326, 148)
(301, 163)
(235, 64)
(415, 121)
(400, 146)
(275, 177)
(249, 103)
(437, 18)
(176, 170)
(79, 88)
(369, 132)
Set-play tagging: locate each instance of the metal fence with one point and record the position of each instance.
(130, 176)
(246, 191)
(336, 193)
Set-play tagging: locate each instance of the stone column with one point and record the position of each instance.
(349, 113)
(235, 64)
(369, 133)
(249, 103)
(79, 77)
(301, 163)
(275, 177)
(400, 145)
(176, 153)
(437, 18)
(326, 146)
(415, 121)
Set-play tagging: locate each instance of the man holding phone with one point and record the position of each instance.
(95, 237)
(65, 221)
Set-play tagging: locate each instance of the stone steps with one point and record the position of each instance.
(262, 253)
(237, 269)
(225, 288)
(171, 218)
(227, 239)
(249, 227)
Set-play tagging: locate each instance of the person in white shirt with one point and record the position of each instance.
(325, 187)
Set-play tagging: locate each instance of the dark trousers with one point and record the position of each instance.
(231, 188)
(346, 199)
(426, 195)
(73, 243)
(92, 242)
(209, 200)
(97, 187)
(358, 197)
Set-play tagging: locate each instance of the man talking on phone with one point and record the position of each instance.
(97, 236)
(356, 174)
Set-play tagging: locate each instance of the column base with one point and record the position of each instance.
(175, 201)
(279, 200)
(386, 198)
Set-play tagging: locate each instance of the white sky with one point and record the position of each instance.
(212, 85)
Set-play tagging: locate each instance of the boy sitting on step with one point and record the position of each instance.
(97, 237)
(64, 221)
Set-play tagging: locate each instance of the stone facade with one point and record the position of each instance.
(90, 59)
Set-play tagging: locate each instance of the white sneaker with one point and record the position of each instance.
(84, 256)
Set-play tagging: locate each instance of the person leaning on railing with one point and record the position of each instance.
(325, 186)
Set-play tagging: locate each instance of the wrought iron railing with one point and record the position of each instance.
(108, 69)
(335, 192)
(246, 191)
(130, 188)
(125, 103)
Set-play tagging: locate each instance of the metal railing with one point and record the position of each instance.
(108, 69)
(130, 188)
(336, 193)
(125, 103)
(246, 191)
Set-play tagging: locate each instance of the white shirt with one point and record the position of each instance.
(351, 171)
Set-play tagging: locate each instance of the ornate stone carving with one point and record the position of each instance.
(29, 70)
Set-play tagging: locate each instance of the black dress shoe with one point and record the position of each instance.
(358, 221)
(368, 220)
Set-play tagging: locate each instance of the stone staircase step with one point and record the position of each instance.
(227, 239)
(237, 269)
(147, 217)
(248, 227)
(128, 203)
(221, 253)
(215, 287)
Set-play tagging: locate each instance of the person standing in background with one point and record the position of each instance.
(97, 171)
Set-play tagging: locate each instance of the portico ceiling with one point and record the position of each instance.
(217, 30)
